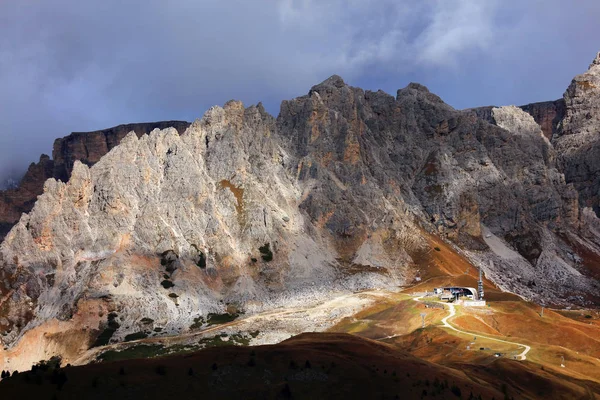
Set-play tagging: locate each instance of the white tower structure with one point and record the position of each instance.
(480, 283)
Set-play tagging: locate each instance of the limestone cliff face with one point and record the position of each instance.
(14, 202)
(575, 153)
(572, 124)
(170, 227)
(578, 136)
(246, 211)
(547, 114)
(88, 147)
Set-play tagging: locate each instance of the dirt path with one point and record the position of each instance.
(92, 354)
(521, 356)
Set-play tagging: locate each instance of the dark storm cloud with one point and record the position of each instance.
(83, 65)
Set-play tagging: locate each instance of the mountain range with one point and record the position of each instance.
(345, 190)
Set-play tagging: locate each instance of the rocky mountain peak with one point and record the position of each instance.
(582, 99)
(415, 93)
(596, 61)
(334, 81)
(418, 87)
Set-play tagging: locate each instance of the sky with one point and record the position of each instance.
(72, 65)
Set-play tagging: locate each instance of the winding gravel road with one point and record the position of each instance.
(521, 356)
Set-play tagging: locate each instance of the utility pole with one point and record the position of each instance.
(423, 319)
(542, 312)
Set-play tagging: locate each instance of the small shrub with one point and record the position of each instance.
(104, 338)
(136, 336)
(191, 372)
(198, 322)
(588, 316)
(265, 252)
(251, 362)
(161, 370)
(215, 319)
(173, 295)
(45, 365)
(167, 284)
(214, 366)
(201, 261)
(455, 390)
(307, 364)
(437, 249)
(253, 259)
(121, 371)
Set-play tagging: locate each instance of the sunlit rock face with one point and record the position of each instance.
(245, 212)
(578, 138)
(87, 147)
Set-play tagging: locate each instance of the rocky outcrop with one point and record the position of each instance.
(578, 137)
(572, 124)
(88, 147)
(547, 114)
(14, 202)
(170, 228)
(245, 211)
(485, 113)
(575, 150)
